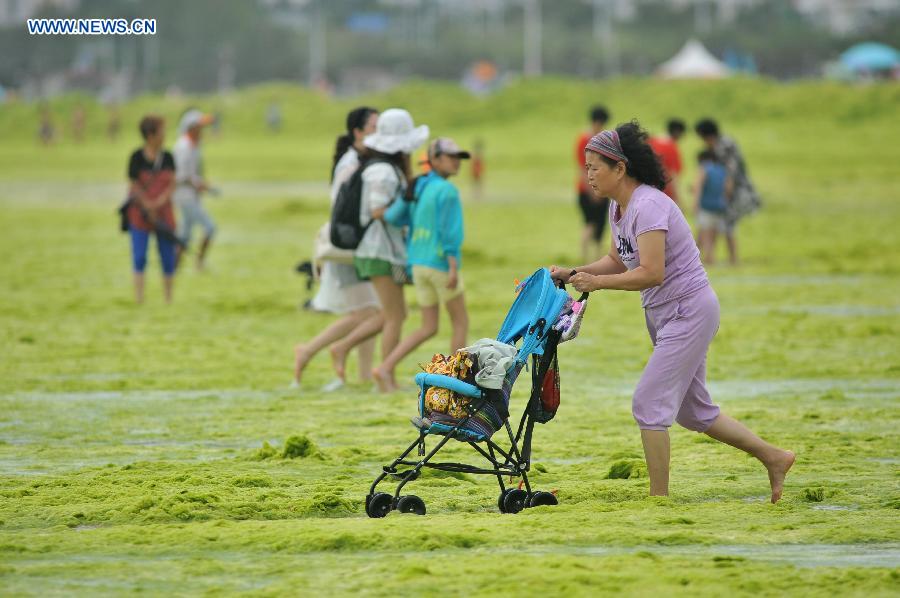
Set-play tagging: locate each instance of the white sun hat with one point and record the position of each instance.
(194, 118)
(395, 132)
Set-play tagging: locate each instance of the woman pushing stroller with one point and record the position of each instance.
(653, 252)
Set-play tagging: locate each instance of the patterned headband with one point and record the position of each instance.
(607, 143)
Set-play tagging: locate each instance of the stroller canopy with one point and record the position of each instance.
(532, 314)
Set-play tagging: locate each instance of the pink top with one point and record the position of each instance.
(651, 209)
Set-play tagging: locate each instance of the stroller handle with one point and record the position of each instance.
(562, 285)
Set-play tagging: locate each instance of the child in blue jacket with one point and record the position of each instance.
(435, 219)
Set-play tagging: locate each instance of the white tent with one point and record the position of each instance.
(693, 61)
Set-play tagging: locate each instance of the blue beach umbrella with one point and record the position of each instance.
(871, 56)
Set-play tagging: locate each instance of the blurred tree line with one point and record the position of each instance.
(202, 45)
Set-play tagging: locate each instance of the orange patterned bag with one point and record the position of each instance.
(458, 365)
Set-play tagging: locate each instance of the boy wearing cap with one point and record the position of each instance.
(190, 183)
(436, 234)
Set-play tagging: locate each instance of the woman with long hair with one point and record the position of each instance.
(341, 291)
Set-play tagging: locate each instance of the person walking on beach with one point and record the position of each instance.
(593, 208)
(743, 199)
(666, 149)
(340, 290)
(653, 252)
(151, 176)
(46, 130)
(381, 254)
(435, 219)
(712, 188)
(477, 170)
(191, 184)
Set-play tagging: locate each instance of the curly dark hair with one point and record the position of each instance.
(642, 165)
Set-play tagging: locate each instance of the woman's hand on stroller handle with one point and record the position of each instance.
(584, 282)
(564, 275)
(561, 273)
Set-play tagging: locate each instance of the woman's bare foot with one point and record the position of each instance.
(339, 362)
(384, 381)
(778, 469)
(301, 358)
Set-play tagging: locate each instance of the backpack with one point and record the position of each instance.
(346, 230)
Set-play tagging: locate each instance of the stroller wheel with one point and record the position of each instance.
(501, 498)
(378, 505)
(411, 504)
(542, 499)
(514, 501)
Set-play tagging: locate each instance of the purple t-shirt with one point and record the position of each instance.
(651, 209)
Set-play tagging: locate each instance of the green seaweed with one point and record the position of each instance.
(813, 494)
(156, 449)
(298, 446)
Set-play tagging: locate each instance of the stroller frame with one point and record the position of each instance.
(514, 461)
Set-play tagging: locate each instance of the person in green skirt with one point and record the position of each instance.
(381, 254)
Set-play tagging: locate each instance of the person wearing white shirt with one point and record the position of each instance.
(340, 289)
(190, 183)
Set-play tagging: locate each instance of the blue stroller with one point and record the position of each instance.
(541, 317)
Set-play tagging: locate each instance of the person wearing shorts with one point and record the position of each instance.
(151, 175)
(713, 187)
(435, 219)
(742, 198)
(653, 252)
(593, 208)
(191, 184)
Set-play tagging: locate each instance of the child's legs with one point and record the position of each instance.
(713, 235)
(459, 321)
(706, 223)
(707, 246)
(731, 241)
(430, 316)
(436, 292)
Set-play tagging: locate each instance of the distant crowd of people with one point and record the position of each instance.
(48, 134)
(723, 192)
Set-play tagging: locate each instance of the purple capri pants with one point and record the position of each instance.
(673, 385)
